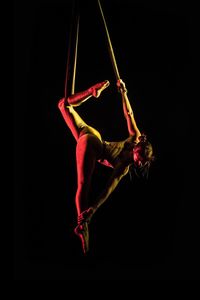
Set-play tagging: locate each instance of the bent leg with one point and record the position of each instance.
(72, 118)
(75, 122)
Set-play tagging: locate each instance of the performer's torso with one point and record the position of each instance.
(117, 152)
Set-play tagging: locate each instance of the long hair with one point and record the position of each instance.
(140, 172)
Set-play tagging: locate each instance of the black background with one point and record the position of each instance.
(146, 230)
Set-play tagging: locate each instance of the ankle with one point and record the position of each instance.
(93, 91)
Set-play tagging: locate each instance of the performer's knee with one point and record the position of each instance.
(61, 103)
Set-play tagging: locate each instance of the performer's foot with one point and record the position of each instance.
(99, 87)
(82, 230)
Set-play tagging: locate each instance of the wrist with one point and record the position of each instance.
(123, 90)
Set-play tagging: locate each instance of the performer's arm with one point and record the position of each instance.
(128, 112)
(118, 173)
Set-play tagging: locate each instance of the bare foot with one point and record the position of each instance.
(99, 87)
(82, 232)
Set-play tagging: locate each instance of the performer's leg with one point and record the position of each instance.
(72, 118)
(95, 91)
(89, 149)
(75, 122)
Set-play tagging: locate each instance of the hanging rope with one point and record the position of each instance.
(112, 55)
(67, 68)
(69, 55)
(75, 57)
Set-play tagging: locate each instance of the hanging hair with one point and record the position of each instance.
(140, 172)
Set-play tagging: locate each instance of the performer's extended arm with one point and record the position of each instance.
(118, 173)
(128, 112)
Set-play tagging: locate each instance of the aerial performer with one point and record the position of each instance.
(134, 153)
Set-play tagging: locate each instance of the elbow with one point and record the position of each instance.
(132, 132)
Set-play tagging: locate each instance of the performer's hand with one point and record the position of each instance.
(121, 86)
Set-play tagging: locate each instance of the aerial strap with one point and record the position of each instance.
(69, 60)
(110, 48)
(75, 57)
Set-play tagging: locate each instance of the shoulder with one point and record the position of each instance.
(126, 170)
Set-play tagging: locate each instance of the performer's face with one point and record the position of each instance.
(138, 156)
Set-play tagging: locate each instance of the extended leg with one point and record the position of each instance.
(89, 149)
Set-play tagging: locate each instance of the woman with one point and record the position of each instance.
(135, 152)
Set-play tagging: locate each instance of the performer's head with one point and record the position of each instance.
(143, 156)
